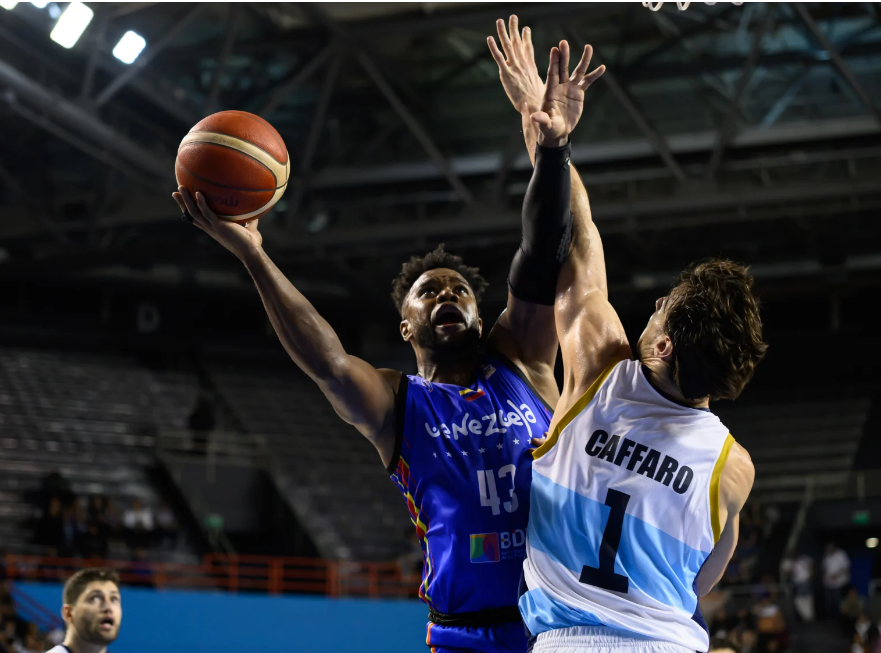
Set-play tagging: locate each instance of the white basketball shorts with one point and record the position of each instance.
(583, 639)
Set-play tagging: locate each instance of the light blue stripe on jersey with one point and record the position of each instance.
(568, 527)
(541, 612)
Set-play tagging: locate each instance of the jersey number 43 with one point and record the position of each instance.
(489, 496)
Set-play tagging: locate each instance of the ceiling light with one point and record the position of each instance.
(71, 25)
(41, 4)
(129, 47)
(54, 10)
(8, 5)
(872, 543)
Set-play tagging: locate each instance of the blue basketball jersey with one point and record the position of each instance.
(464, 466)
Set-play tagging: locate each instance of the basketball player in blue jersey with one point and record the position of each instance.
(456, 437)
(636, 492)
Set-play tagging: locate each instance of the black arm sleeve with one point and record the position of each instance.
(546, 228)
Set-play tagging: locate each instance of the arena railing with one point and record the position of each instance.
(234, 573)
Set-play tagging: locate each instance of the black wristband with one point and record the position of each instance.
(546, 227)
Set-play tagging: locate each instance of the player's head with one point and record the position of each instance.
(437, 296)
(707, 330)
(92, 606)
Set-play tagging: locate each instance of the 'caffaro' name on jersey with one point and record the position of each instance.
(488, 424)
(616, 450)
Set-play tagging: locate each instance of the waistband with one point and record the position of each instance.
(589, 637)
(490, 617)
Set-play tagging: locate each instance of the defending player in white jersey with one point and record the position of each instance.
(636, 492)
(92, 611)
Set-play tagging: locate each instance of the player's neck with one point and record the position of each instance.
(441, 367)
(76, 645)
(659, 378)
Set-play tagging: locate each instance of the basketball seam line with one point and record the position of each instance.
(215, 183)
(250, 116)
(239, 138)
(243, 153)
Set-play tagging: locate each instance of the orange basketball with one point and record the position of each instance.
(237, 161)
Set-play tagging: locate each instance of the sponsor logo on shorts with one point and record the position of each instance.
(484, 547)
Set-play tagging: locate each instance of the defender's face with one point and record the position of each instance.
(97, 614)
(440, 311)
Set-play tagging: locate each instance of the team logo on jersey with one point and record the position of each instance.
(488, 371)
(484, 547)
(470, 395)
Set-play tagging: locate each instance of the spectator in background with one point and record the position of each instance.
(836, 576)
(49, 531)
(138, 524)
(770, 625)
(797, 571)
(167, 531)
(71, 529)
(55, 486)
(201, 420)
(849, 610)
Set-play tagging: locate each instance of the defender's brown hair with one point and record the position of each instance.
(77, 584)
(714, 323)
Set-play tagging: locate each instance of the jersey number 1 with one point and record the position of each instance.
(604, 576)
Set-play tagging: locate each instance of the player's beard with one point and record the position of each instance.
(89, 632)
(449, 348)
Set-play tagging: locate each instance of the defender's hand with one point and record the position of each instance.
(563, 99)
(240, 239)
(517, 68)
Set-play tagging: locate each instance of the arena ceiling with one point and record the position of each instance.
(752, 131)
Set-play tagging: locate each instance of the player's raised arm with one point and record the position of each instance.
(361, 395)
(526, 331)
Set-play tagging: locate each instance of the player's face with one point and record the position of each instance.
(97, 614)
(653, 333)
(440, 312)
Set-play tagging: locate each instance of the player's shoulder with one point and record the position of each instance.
(391, 377)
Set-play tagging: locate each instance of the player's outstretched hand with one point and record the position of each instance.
(563, 98)
(239, 239)
(517, 68)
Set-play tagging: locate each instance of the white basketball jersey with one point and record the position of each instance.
(624, 512)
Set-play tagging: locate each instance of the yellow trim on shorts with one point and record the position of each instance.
(715, 479)
(576, 408)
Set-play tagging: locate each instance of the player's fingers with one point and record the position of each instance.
(496, 53)
(541, 118)
(514, 32)
(188, 201)
(538, 441)
(503, 38)
(208, 214)
(594, 76)
(554, 69)
(528, 50)
(581, 69)
(564, 60)
(185, 216)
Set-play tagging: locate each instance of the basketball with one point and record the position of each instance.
(237, 161)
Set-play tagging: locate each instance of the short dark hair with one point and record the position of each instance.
(76, 584)
(714, 324)
(439, 258)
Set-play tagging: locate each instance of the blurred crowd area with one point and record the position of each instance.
(17, 635)
(94, 526)
(805, 598)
